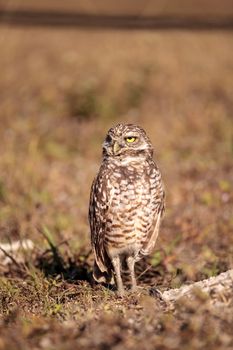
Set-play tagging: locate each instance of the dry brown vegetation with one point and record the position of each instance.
(60, 91)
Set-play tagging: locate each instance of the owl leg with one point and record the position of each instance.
(116, 262)
(130, 263)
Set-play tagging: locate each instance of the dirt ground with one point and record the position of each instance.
(60, 91)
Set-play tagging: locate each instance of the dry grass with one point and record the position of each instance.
(59, 93)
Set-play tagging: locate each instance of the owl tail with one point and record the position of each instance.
(102, 277)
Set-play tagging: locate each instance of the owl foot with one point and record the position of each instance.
(120, 292)
(136, 290)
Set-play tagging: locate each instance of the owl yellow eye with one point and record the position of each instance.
(130, 139)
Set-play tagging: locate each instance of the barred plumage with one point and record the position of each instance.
(126, 204)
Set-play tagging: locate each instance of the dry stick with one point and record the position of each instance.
(10, 257)
(217, 285)
(143, 272)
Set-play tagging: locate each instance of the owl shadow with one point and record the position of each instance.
(74, 268)
(63, 265)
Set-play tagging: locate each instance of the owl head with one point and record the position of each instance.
(127, 140)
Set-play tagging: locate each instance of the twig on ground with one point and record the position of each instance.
(10, 257)
(213, 286)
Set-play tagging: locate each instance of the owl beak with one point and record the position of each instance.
(116, 147)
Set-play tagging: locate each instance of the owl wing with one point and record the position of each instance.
(99, 204)
(149, 244)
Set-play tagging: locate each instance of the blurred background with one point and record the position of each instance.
(70, 70)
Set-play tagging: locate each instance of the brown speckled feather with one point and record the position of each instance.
(99, 203)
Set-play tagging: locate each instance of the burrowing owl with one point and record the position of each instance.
(126, 204)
